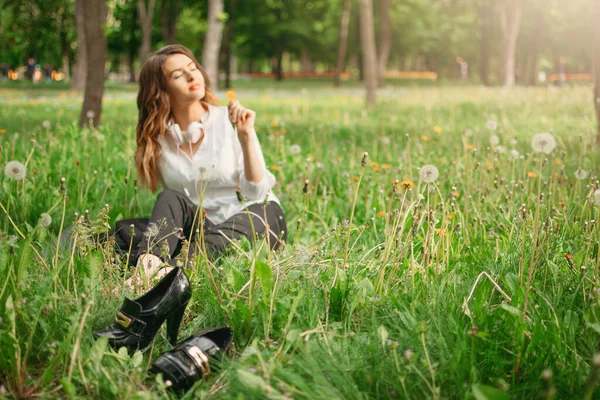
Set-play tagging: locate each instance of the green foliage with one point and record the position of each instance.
(430, 303)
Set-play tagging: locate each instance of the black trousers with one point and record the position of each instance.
(175, 218)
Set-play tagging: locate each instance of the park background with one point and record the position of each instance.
(480, 283)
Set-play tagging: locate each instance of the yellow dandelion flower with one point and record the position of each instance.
(275, 167)
(380, 214)
(230, 94)
(376, 169)
(450, 216)
(470, 146)
(407, 184)
(386, 166)
(424, 138)
(562, 203)
(437, 129)
(374, 164)
(275, 123)
(440, 231)
(455, 194)
(558, 161)
(489, 164)
(354, 178)
(3, 131)
(531, 174)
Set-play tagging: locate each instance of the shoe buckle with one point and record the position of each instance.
(201, 360)
(122, 320)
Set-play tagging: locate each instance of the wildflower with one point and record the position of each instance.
(531, 174)
(274, 167)
(558, 161)
(581, 174)
(513, 142)
(408, 354)
(492, 125)
(407, 184)
(90, 114)
(470, 146)
(363, 162)
(386, 166)
(513, 154)
(274, 123)
(562, 203)
(45, 220)
(230, 94)
(420, 197)
(15, 170)
(543, 143)
(596, 199)
(295, 149)
(494, 140)
(424, 138)
(152, 230)
(429, 173)
(437, 129)
(2, 131)
(380, 214)
(500, 150)
(468, 133)
(385, 140)
(46, 124)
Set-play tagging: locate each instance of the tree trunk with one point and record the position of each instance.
(341, 55)
(212, 43)
(306, 64)
(367, 42)
(485, 12)
(169, 13)
(94, 12)
(228, 43)
(596, 52)
(145, 16)
(510, 21)
(79, 71)
(385, 39)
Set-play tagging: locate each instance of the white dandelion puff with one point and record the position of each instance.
(494, 140)
(15, 170)
(429, 173)
(513, 155)
(420, 197)
(543, 143)
(513, 142)
(468, 133)
(581, 174)
(385, 140)
(500, 150)
(596, 197)
(295, 149)
(492, 125)
(47, 124)
(152, 230)
(45, 220)
(90, 114)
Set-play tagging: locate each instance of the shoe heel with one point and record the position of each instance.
(174, 322)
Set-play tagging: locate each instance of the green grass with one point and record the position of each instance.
(421, 295)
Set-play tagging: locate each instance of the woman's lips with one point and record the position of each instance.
(195, 86)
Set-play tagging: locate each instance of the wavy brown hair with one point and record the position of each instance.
(155, 111)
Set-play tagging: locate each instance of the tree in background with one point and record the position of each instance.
(94, 13)
(212, 42)
(367, 43)
(385, 39)
(341, 54)
(79, 71)
(510, 22)
(169, 13)
(145, 15)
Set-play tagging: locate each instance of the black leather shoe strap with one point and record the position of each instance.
(130, 323)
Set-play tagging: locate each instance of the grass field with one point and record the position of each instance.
(483, 284)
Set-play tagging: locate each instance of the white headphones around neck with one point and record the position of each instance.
(193, 133)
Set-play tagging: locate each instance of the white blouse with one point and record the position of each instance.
(213, 174)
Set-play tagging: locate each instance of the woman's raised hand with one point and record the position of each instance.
(242, 118)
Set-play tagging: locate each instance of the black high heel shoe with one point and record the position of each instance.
(137, 322)
(189, 361)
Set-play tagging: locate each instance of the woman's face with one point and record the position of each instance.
(185, 82)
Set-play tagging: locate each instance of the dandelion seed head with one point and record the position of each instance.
(385, 140)
(596, 197)
(90, 114)
(513, 154)
(492, 125)
(295, 149)
(429, 173)
(543, 143)
(46, 124)
(500, 149)
(581, 174)
(494, 140)
(152, 230)
(45, 220)
(15, 170)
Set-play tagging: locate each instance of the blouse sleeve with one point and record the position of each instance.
(253, 191)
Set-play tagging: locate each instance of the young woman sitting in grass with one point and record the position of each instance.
(209, 164)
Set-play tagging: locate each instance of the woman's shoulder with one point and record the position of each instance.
(218, 110)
